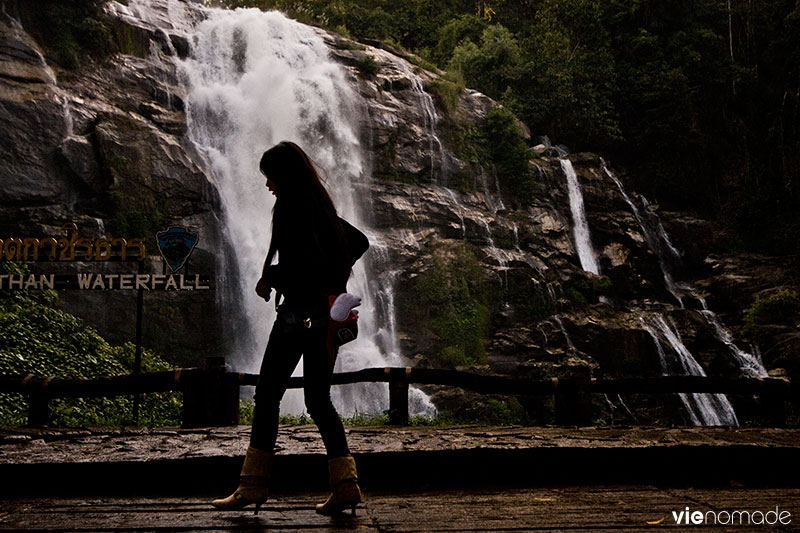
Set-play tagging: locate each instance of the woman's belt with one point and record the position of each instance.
(297, 321)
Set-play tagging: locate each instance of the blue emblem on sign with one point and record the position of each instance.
(176, 245)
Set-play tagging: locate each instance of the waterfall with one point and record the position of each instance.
(431, 121)
(494, 201)
(516, 237)
(253, 79)
(676, 360)
(750, 364)
(580, 228)
(564, 332)
(459, 212)
(659, 242)
(494, 251)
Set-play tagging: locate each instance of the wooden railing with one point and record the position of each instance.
(211, 394)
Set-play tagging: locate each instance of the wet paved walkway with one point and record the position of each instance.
(37, 445)
(134, 461)
(582, 509)
(461, 478)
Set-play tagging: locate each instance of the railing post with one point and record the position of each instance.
(38, 409)
(137, 357)
(398, 395)
(573, 398)
(773, 408)
(211, 396)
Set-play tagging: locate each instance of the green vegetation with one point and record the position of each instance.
(505, 412)
(695, 99)
(509, 155)
(368, 67)
(72, 30)
(343, 44)
(588, 290)
(69, 28)
(37, 338)
(138, 217)
(450, 299)
(779, 308)
(498, 148)
(447, 90)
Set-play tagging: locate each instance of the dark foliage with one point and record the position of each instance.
(698, 98)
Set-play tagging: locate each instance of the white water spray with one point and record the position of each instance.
(656, 244)
(676, 360)
(564, 332)
(459, 209)
(255, 79)
(659, 242)
(749, 363)
(580, 227)
(431, 121)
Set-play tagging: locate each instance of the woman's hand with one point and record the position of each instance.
(263, 289)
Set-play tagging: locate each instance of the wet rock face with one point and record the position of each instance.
(32, 120)
(103, 146)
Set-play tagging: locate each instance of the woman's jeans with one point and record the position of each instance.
(286, 345)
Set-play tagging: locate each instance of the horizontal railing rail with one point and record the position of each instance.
(211, 394)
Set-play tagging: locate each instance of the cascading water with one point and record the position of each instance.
(580, 227)
(749, 363)
(254, 79)
(662, 247)
(564, 332)
(459, 209)
(431, 120)
(659, 242)
(494, 201)
(676, 360)
(496, 253)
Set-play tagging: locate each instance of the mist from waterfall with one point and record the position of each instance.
(580, 227)
(254, 79)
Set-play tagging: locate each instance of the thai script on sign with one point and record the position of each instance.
(70, 248)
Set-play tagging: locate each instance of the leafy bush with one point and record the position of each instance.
(463, 28)
(367, 66)
(447, 91)
(779, 308)
(492, 65)
(510, 155)
(450, 300)
(505, 412)
(589, 289)
(70, 28)
(344, 44)
(37, 338)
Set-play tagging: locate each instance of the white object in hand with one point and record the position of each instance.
(343, 304)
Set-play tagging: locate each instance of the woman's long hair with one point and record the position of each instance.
(305, 225)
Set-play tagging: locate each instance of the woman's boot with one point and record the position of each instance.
(344, 482)
(252, 482)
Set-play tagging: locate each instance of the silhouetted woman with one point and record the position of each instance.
(316, 251)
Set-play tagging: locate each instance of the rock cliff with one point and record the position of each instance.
(483, 278)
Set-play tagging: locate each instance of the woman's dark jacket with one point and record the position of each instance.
(307, 273)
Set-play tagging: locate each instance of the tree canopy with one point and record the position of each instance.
(698, 99)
